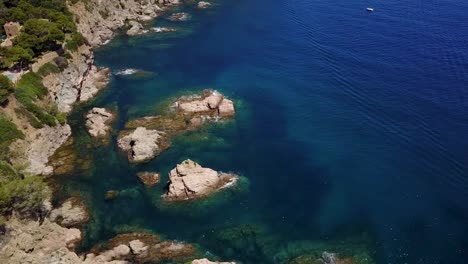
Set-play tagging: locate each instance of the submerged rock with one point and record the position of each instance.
(179, 17)
(71, 213)
(206, 261)
(203, 5)
(142, 144)
(189, 180)
(111, 194)
(149, 178)
(142, 248)
(98, 122)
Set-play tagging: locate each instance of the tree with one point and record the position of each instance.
(24, 196)
(6, 87)
(39, 35)
(18, 55)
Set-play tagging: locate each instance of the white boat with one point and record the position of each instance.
(370, 9)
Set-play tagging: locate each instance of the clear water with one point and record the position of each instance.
(351, 128)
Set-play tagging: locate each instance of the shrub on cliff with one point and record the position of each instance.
(29, 89)
(8, 132)
(6, 88)
(24, 196)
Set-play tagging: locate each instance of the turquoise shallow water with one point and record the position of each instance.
(351, 130)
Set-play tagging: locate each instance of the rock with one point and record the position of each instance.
(98, 21)
(141, 144)
(98, 122)
(79, 81)
(206, 261)
(136, 29)
(111, 195)
(95, 81)
(147, 248)
(71, 213)
(189, 180)
(203, 4)
(138, 247)
(35, 242)
(179, 17)
(210, 100)
(39, 146)
(226, 108)
(186, 113)
(149, 178)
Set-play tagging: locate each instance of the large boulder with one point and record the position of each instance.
(98, 122)
(141, 144)
(71, 213)
(189, 180)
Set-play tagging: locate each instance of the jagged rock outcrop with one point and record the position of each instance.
(203, 5)
(98, 122)
(141, 144)
(206, 261)
(210, 101)
(35, 242)
(186, 113)
(135, 28)
(38, 146)
(78, 82)
(189, 180)
(143, 248)
(179, 17)
(71, 213)
(149, 178)
(97, 21)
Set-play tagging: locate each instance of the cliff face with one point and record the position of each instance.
(98, 19)
(79, 82)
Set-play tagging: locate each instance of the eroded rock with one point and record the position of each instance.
(179, 17)
(203, 4)
(189, 180)
(149, 178)
(142, 144)
(71, 213)
(206, 261)
(98, 122)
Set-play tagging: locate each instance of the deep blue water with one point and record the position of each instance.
(350, 124)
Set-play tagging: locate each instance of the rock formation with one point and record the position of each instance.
(186, 113)
(179, 17)
(34, 242)
(78, 82)
(141, 144)
(142, 248)
(135, 28)
(98, 122)
(149, 178)
(189, 180)
(206, 261)
(98, 22)
(71, 213)
(203, 5)
(211, 102)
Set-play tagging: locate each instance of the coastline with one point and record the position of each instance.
(44, 240)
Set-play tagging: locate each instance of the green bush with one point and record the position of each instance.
(8, 132)
(47, 69)
(75, 41)
(7, 172)
(6, 87)
(30, 88)
(24, 196)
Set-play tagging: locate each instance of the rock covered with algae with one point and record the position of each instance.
(145, 138)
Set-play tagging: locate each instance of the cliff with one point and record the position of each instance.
(97, 20)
